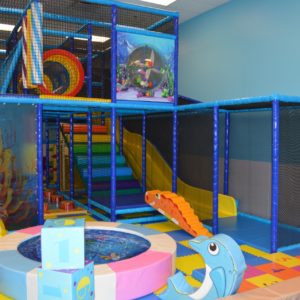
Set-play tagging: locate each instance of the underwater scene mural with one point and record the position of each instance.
(18, 179)
(145, 68)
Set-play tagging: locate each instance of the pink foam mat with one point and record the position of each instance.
(32, 230)
(252, 271)
(135, 274)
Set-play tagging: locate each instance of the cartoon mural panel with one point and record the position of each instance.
(145, 68)
(18, 179)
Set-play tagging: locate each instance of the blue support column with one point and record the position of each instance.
(215, 228)
(121, 135)
(90, 158)
(275, 174)
(144, 154)
(39, 142)
(15, 75)
(71, 156)
(175, 115)
(58, 153)
(113, 111)
(72, 45)
(226, 153)
(103, 84)
(47, 157)
(90, 61)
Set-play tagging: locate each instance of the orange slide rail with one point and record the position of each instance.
(178, 210)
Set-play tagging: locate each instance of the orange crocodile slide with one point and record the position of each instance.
(178, 210)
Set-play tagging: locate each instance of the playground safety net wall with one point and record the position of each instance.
(195, 150)
(289, 170)
(18, 179)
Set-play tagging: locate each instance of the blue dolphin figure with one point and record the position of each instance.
(225, 266)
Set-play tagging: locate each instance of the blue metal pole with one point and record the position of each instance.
(215, 228)
(39, 140)
(72, 45)
(103, 83)
(58, 153)
(275, 173)
(90, 158)
(226, 153)
(113, 111)
(90, 62)
(47, 157)
(175, 115)
(121, 135)
(71, 156)
(14, 42)
(144, 154)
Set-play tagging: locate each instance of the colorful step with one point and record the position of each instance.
(178, 210)
(125, 201)
(122, 184)
(103, 160)
(128, 191)
(83, 138)
(96, 148)
(106, 172)
(83, 128)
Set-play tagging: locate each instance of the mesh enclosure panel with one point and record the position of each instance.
(250, 162)
(195, 159)
(195, 146)
(137, 19)
(289, 172)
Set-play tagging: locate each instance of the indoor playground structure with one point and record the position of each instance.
(91, 123)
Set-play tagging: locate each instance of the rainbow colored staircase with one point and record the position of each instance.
(130, 204)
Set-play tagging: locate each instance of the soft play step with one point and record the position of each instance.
(177, 210)
(128, 191)
(107, 179)
(124, 201)
(122, 184)
(83, 128)
(96, 149)
(97, 161)
(83, 138)
(106, 172)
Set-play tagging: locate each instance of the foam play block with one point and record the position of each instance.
(67, 284)
(62, 244)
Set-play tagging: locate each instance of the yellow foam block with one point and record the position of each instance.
(279, 257)
(163, 226)
(82, 138)
(285, 260)
(186, 244)
(264, 280)
(255, 252)
(187, 264)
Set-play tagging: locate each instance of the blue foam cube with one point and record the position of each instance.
(62, 244)
(67, 284)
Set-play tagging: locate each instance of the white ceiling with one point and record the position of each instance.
(187, 8)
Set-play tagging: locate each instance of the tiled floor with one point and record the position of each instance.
(264, 269)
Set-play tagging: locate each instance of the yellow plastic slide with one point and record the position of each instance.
(159, 176)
